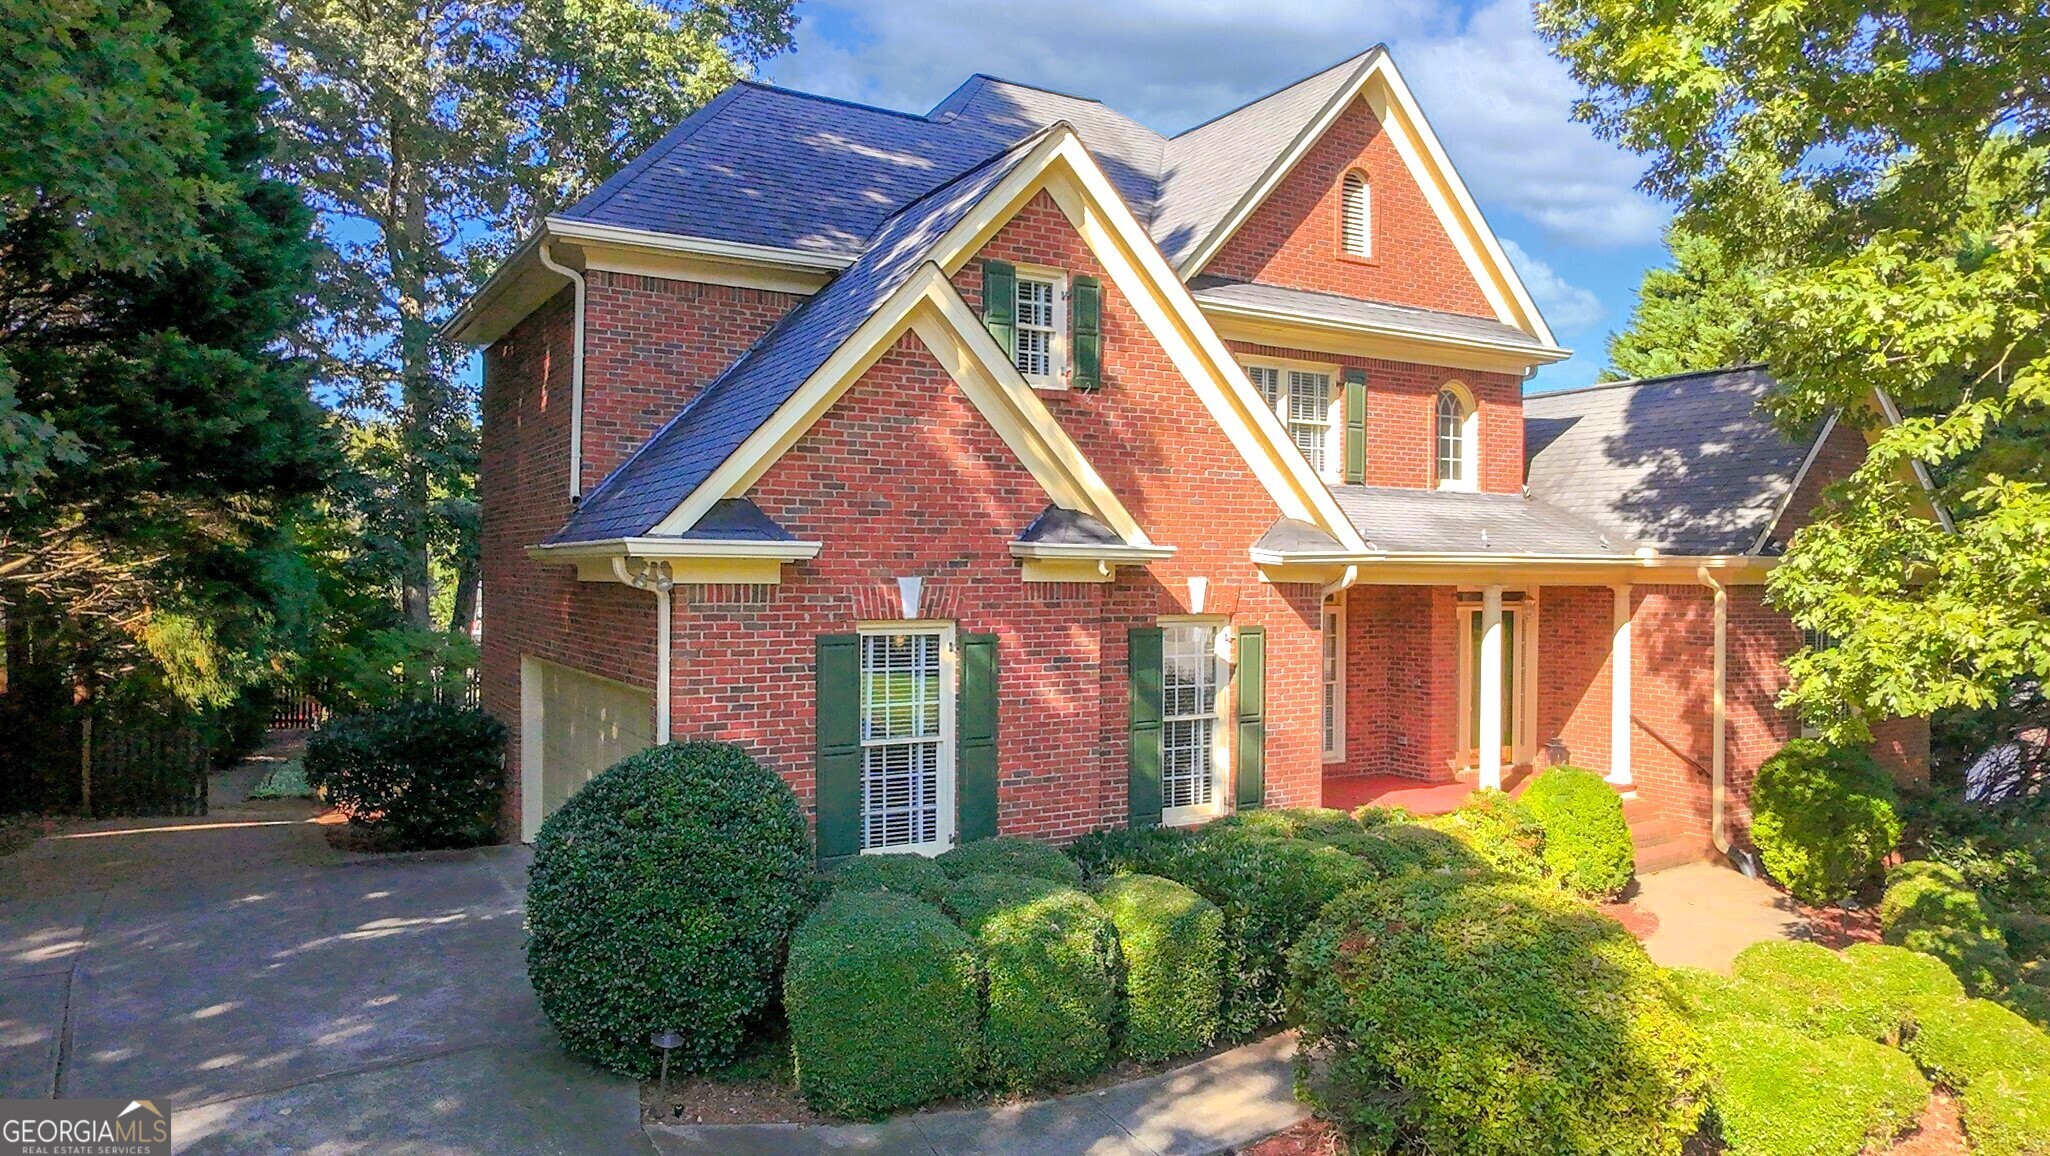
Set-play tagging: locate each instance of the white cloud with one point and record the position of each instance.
(1500, 103)
(1567, 307)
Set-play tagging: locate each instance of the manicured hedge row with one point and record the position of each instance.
(1824, 818)
(1474, 1014)
(1006, 855)
(1928, 907)
(1777, 1092)
(883, 994)
(1498, 829)
(1172, 940)
(1587, 847)
(2008, 1114)
(661, 896)
(904, 874)
(1051, 957)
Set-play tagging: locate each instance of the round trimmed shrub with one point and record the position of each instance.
(1433, 850)
(883, 995)
(1291, 822)
(1498, 829)
(1387, 857)
(1008, 855)
(1451, 1015)
(1898, 981)
(1051, 955)
(1269, 890)
(1929, 908)
(660, 897)
(423, 774)
(1373, 815)
(1587, 845)
(1814, 986)
(1958, 1041)
(1779, 1093)
(1824, 819)
(1141, 850)
(902, 873)
(1172, 940)
(2008, 1114)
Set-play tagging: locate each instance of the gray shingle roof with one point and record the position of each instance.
(1689, 464)
(1402, 521)
(1295, 537)
(1351, 311)
(643, 490)
(1058, 527)
(737, 520)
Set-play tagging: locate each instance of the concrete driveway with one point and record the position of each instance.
(285, 997)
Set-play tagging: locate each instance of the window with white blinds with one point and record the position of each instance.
(1309, 414)
(901, 740)
(1266, 379)
(1039, 347)
(1189, 717)
(1356, 227)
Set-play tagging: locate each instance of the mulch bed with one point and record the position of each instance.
(1312, 1137)
(1636, 920)
(1840, 927)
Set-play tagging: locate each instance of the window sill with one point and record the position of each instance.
(1189, 816)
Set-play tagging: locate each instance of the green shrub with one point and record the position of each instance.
(2002, 849)
(661, 896)
(1007, 855)
(1269, 891)
(1459, 1015)
(1051, 955)
(1291, 822)
(882, 993)
(1929, 908)
(1824, 819)
(424, 774)
(904, 874)
(1898, 981)
(1387, 857)
(2028, 1001)
(1101, 854)
(1587, 845)
(1172, 940)
(1433, 850)
(1778, 1093)
(1499, 830)
(1373, 815)
(1816, 991)
(2008, 1114)
(1958, 1041)
(2027, 932)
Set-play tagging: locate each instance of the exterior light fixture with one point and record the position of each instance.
(666, 1042)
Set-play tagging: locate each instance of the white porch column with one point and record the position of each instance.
(1619, 690)
(1489, 744)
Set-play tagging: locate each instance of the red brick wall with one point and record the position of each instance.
(1292, 239)
(603, 628)
(903, 477)
(1841, 455)
(1574, 642)
(649, 345)
(1402, 682)
(1402, 417)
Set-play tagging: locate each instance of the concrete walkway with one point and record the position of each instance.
(1211, 1106)
(1708, 912)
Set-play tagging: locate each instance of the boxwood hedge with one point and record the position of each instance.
(1824, 818)
(1291, 822)
(904, 874)
(1051, 956)
(1958, 1041)
(1777, 1092)
(1458, 1015)
(425, 774)
(1008, 855)
(660, 897)
(1499, 830)
(1928, 907)
(2008, 1114)
(1587, 847)
(883, 994)
(1173, 947)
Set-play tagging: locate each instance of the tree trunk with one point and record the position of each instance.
(465, 610)
(419, 392)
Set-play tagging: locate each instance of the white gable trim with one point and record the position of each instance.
(1403, 120)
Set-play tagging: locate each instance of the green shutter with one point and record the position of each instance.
(1356, 426)
(1249, 682)
(976, 736)
(837, 691)
(1085, 330)
(1144, 752)
(1000, 304)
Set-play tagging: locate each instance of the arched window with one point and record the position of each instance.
(1456, 436)
(1356, 215)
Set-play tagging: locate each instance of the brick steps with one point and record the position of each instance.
(1662, 842)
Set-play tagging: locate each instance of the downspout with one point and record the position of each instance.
(576, 376)
(1344, 583)
(1719, 826)
(655, 576)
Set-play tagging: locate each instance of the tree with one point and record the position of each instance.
(1702, 313)
(430, 138)
(1885, 164)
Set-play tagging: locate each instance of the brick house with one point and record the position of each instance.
(1011, 468)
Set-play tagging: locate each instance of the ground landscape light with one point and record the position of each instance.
(668, 1042)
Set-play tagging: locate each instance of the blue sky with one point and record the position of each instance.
(1563, 202)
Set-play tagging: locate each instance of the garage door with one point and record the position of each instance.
(575, 725)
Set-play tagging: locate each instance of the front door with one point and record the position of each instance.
(1516, 619)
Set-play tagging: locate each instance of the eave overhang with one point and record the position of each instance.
(1424, 569)
(1237, 321)
(687, 560)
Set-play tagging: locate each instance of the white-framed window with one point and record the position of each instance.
(1333, 661)
(1042, 321)
(1356, 215)
(1192, 672)
(907, 738)
(1815, 640)
(1457, 435)
(1303, 398)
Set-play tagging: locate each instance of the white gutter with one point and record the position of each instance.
(1719, 824)
(1344, 583)
(655, 577)
(1088, 552)
(662, 548)
(1640, 560)
(576, 372)
(1542, 354)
